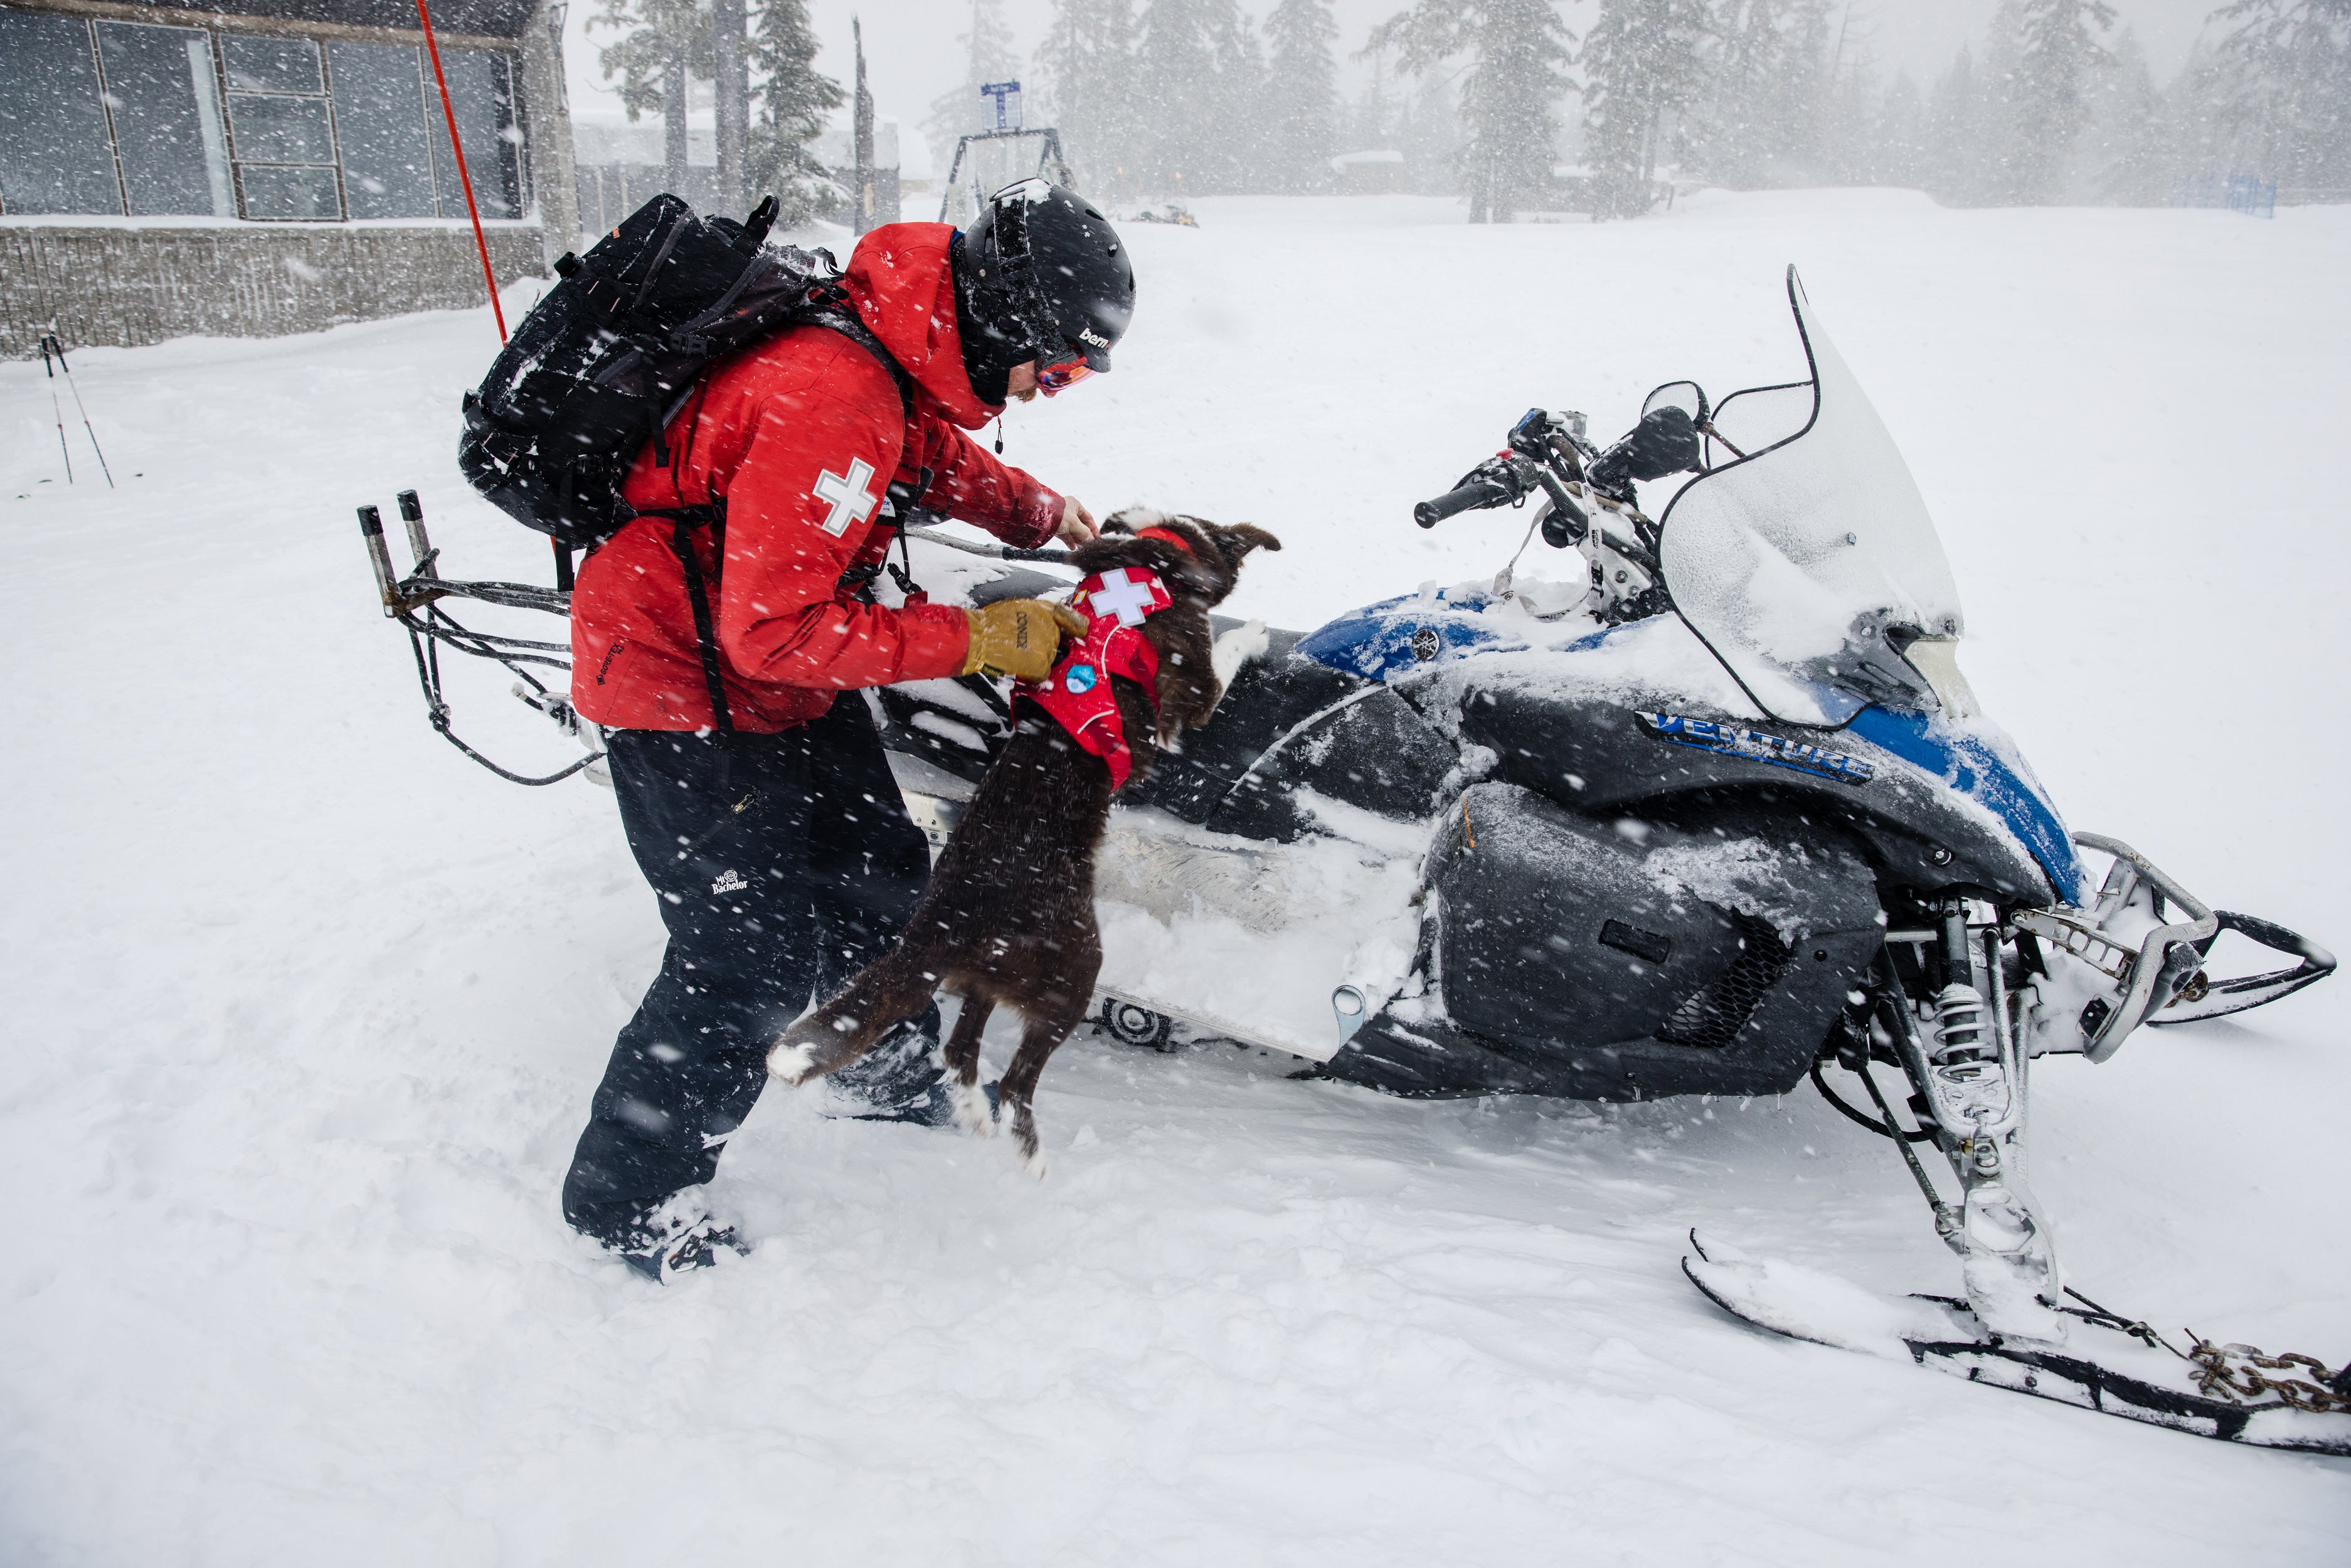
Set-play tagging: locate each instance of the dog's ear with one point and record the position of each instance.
(1234, 541)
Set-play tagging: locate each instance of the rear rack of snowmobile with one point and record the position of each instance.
(418, 602)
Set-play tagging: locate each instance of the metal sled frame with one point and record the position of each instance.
(414, 601)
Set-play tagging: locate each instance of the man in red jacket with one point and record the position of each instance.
(781, 853)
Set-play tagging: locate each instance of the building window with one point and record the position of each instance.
(481, 91)
(281, 128)
(164, 104)
(54, 155)
(118, 117)
(381, 120)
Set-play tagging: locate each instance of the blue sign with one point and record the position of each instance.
(1004, 104)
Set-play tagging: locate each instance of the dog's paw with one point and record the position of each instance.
(974, 1114)
(1236, 648)
(1027, 1146)
(792, 1060)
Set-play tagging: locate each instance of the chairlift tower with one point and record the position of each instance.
(987, 161)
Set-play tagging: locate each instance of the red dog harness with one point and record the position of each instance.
(1078, 693)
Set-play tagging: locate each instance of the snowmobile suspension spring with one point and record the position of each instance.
(1958, 1020)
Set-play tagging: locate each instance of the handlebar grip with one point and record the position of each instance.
(1477, 493)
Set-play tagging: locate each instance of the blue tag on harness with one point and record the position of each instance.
(1079, 678)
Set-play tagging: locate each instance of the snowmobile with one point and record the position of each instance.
(1714, 811)
(1717, 814)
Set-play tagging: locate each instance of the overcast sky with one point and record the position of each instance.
(910, 55)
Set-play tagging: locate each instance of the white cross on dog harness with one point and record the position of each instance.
(1125, 596)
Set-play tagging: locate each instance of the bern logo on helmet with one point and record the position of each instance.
(1088, 335)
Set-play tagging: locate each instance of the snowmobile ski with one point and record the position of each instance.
(2106, 1364)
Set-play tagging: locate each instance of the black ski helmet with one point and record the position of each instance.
(1040, 275)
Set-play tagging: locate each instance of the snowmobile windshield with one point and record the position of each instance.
(1809, 565)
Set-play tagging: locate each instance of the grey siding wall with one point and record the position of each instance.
(122, 286)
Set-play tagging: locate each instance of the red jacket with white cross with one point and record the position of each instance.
(800, 435)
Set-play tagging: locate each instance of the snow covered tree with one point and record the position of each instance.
(1967, 128)
(1176, 73)
(1734, 135)
(1518, 50)
(1237, 145)
(987, 57)
(1641, 64)
(2130, 146)
(1301, 95)
(1899, 137)
(2284, 90)
(662, 43)
(1088, 59)
(1427, 132)
(2058, 46)
(795, 101)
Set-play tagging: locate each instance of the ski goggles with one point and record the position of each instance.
(1062, 374)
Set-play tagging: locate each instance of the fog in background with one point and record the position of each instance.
(914, 53)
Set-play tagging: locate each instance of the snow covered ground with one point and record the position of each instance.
(304, 1008)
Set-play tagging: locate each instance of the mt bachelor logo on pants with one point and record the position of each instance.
(730, 880)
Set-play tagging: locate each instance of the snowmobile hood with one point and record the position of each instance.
(903, 285)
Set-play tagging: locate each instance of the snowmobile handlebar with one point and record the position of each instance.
(1465, 498)
(1504, 480)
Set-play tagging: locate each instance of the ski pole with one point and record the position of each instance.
(72, 387)
(57, 409)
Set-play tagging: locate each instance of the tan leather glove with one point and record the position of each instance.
(1019, 637)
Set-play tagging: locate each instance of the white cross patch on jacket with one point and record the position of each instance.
(847, 494)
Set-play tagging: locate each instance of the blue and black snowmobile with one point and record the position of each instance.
(1712, 812)
(1716, 813)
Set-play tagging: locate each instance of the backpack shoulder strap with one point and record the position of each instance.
(836, 313)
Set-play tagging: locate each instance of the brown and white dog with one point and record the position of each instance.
(1008, 917)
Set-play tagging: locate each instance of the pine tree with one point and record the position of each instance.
(2058, 48)
(2285, 90)
(2130, 143)
(1850, 153)
(1239, 138)
(1431, 138)
(1301, 95)
(988, 57)
(1900, 135)
(1641, 66)
(1956, 172)
(662, 43)
(1518, 49)
(1088, 59)
(1176, 73)
(794, 102)
(1372, 121)
(1802, 82)
(1734, 135)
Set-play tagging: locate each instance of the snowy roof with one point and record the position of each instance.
(493, 19)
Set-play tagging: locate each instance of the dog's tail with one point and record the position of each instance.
(878, 997)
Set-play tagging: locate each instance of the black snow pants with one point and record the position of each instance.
(774, 888)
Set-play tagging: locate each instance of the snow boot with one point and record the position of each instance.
(698, 1245)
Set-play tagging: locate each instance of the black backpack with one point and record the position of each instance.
(608, 357)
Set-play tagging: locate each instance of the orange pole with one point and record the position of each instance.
(464, 179)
